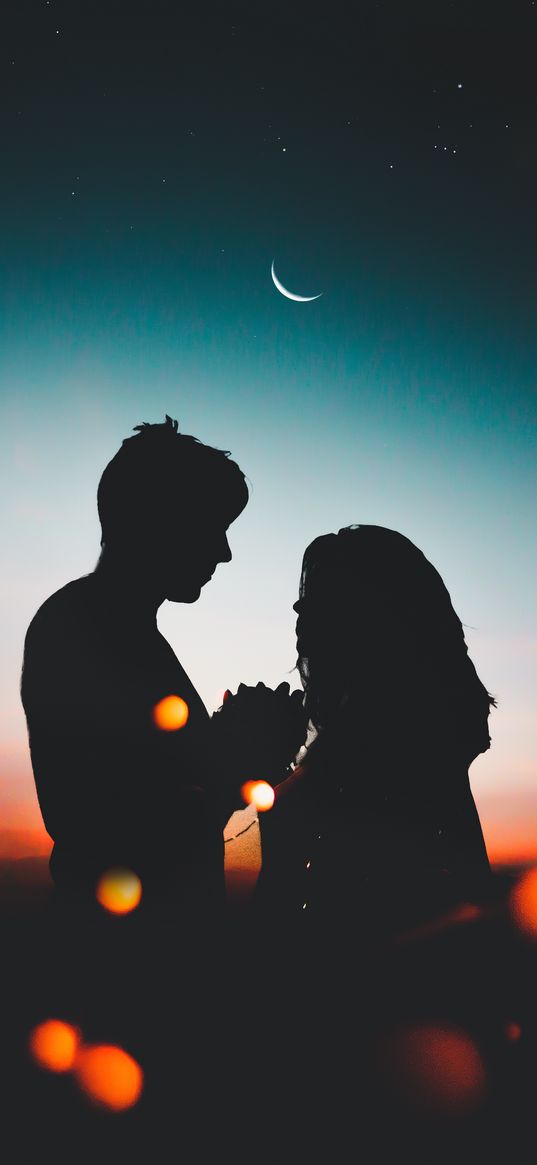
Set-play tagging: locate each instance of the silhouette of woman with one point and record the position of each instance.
(377, 827)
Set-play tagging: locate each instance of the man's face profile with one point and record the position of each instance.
(186, 554)
(192, 561)
(165, 521)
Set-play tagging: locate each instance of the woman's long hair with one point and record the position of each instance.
(376, 622)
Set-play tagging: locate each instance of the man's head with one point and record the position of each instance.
(165, 502)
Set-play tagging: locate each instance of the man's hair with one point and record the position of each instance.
(159, 466)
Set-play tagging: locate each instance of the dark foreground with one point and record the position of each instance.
(288, 1050)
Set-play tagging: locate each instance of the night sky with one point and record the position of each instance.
(155, 160)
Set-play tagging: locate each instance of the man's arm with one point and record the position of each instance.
(106, 779)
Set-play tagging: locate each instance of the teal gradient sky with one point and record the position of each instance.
(329, 432)
(136, 247)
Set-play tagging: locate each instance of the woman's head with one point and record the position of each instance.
(375, 622)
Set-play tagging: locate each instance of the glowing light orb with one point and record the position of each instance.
(258, 793)
(54, 1044)
(109, 1076)
(119, 891)
(513, 1031)
(523, 903)
(435, 1068)
(171, 713)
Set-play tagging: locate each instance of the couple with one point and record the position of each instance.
(378, 818)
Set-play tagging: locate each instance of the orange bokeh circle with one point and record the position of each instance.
(435, 1068)
(54, 1044)
(171, 713)
(119, 891)
(258, 793)
(109, 1076)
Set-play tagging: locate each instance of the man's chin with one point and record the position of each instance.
(185, 594)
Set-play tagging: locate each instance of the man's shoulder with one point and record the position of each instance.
(65, 610)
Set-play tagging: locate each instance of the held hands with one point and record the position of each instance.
(261, 730)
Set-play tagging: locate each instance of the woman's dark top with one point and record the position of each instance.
(370, 838)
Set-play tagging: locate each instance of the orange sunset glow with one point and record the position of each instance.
(523, 903)
(510, 842)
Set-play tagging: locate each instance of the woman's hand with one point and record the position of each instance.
(261, 729)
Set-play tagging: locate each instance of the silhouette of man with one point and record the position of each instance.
(116, 789)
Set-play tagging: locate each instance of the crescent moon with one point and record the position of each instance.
(290, 294)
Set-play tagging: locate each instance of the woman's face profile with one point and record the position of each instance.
(344, 632)
(311, 627)
(329, 610)
(318, 632)
(298, 608)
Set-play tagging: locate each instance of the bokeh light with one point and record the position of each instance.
(109, 1076)
(170, 713)
(466, 912)
(258, 793)
(523, 903)
(54, 1044)
(513, 1031)
(119, 891)
(434, 1068)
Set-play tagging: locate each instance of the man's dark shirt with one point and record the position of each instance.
(114, 789)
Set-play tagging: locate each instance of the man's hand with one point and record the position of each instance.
(261, 729)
